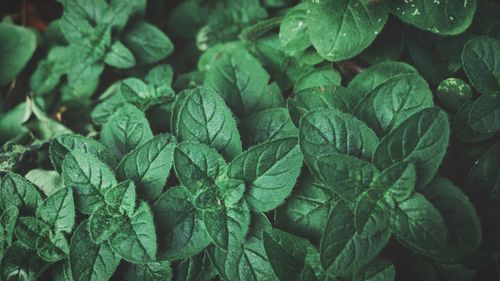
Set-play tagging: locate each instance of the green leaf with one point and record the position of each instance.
(58, 210)
(392, 102)
(398, 180)
(287, 253)
(61, 146)
(340, 30)
(293, 30)
(151, 271)
(484, 176)
(270, 171)
(196, 268)
(104, 222)
(484, 115)
(307, 100)
(249, 261)
(19, 192)
(136, 92)
(135, 240)
(419, 225)
(228, 225)
(179, 224)
(378, 270)
(126, 130)
(445, 17)
(19, 263)
(454, 93)
(481, 60)
(305, 211)
(242, 82)
(17, 45)
(148, 166)
(342, 250)
(198, 166)
(90, 179)
(89, 261)
(460, 218)
(36, 235)
(49, 182)
(421, 139)
(346, 175)
(267, 125)
(148, 43)
(462, 130)
(203, 117)
(122, 197)
(369, 213)
(119, 56)
(324, 76)
(330, 131)
(8, 221)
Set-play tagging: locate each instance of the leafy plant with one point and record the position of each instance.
(345, 140)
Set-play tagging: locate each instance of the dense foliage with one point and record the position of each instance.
(342, 140)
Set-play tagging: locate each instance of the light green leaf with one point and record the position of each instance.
(49, 182)
(148, 166)
(119, 56)
(126, 130)
(481, 60)
(421, 139)
(270, 171)
(340, 30)
(17, 45)
(445, 17)
(324, 76)
(203, 117)
(89, 261)
(293, 30)
(90, 179)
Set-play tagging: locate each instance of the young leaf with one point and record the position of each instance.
(122, 197)
(267, 125)
(151, 271)
(148, 166)
(17, 45)
(180, 224)
(58, 210)
(340, 30)
(104, 222)
(148, 43)
(342, 250)
(89, 261)
(421, 139)
(270, 171)
(398, 180)
(481, 60)
(135, 240)
(330, 131)
(90, 179)
(242, 82)
(19, 192)
(203, 117)
(447, 17)
(126, 130)
(198, 166)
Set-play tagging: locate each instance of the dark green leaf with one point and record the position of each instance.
(481, 60)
